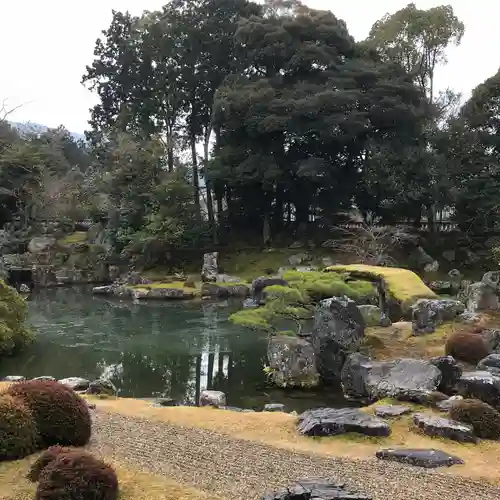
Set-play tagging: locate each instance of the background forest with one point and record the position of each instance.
(227, 121)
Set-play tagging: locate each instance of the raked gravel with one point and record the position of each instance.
(238, 469)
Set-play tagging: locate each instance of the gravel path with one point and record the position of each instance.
(237, 469)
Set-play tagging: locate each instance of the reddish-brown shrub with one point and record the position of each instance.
(62, 417)
(18, 432)
(47, 457)
(485, 420)
(77, 475)
(468, 347)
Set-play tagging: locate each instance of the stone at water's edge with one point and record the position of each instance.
(331, 422)
(427, 314)
(338, 330)
(292, 362)
(429, 459)
(385, 411)
(14, 378)
(482, 385)
(209, 271)
(224, 292)
(274, 407)
(76, 383)
(404, 379)
(102, 386)
(450, 372)
(258, 285)
(317, 489)
(445, 428)
(212, 398)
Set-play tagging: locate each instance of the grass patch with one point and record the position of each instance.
(133, 484)
(403, 285)
(73, 238)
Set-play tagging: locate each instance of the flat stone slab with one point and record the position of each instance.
(335, 421)
(317, 489)
(444, 427)
(429, 459)
(385, 411)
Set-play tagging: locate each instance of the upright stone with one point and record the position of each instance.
(209, 271)
(338, 330)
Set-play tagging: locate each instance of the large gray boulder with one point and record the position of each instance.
(427, 314)
(482, 385)
(40, 244)
(479, 297)
(492, 279)
(490, 363)
(292, 362)
(260, 283)
(404, 379)
(338, 330)
(209, 270)
(335, 421)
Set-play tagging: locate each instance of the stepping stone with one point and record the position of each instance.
(384, 411)
(274, 407)
(429, 459)
(331, 422)
(443, 427)
(317, 489)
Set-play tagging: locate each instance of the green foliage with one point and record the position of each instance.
(255, 319)
(14, 333)
(62, 417)
(77, 474)
(483, 418)
(18, 432)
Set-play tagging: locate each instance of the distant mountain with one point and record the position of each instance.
(37, 128)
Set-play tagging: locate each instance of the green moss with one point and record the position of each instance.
(256, 319)
(320, 285)
(73, 238)
(14, 333)
(403, 285)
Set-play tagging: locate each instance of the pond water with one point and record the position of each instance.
(170, 349)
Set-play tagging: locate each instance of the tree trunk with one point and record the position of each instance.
(196, 181)
(278, 213)
(210, 203)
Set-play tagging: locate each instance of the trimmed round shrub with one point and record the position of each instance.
(47, 457)
(483, 418)
(18, 432)
(77, 475)
(62, 416)
(468, 347)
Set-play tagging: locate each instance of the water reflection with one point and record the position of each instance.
(150, 349)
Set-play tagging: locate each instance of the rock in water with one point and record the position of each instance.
(429, 459)
(338, 330)
(76, 383)
(482, 385)
(445, 428)
(102, 386)
(212, 398)
(317, 489)
(331, 422)
(292, 362)
(429, 313)
(450, 372)
(209, 271)
(258, 285)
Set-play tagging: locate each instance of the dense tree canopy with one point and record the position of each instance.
(220, 120)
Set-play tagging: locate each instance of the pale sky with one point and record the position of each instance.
(46, 44)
